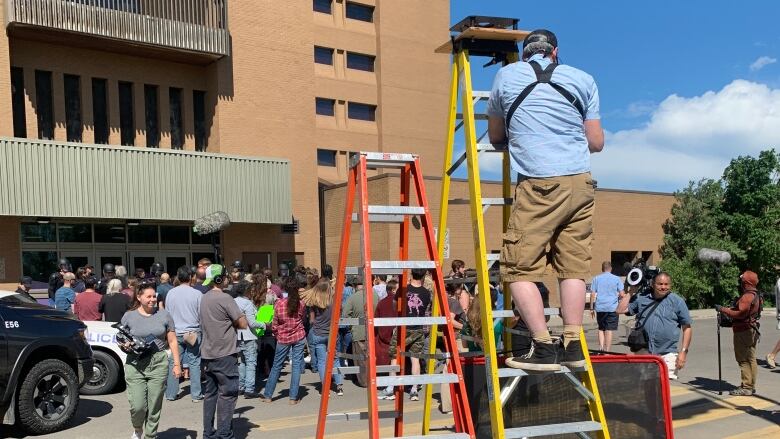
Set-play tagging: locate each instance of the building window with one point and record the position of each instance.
(17, 102)
(361, 111)
(73, 108)
(152, 107)
(323, 55)
(323, 6)
(177, 121)
(39, 265)
(174, 234)
(325, 107)
(199, 110)
(357, 11)
(100, 110)
(142, 234)
(126, 124)
(74, 232)
(43, 98)
(358, 61)
(110, 233)
(33, 232)
(326, 157)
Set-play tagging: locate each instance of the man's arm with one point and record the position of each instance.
(240, 323)
(682, 356)
(497, 130)
(622, 307)
(743, 308)
(593, 295)
(594, 133)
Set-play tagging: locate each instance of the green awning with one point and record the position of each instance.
(73, 180)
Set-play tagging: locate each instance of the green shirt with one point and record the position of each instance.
(355, 308)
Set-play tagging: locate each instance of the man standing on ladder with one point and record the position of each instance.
(548, 114)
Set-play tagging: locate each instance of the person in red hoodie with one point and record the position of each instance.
(745, 326)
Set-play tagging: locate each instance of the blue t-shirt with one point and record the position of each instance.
(183, 304)
(546, 134)
(64, 297)
(606, 286)
(663, 325)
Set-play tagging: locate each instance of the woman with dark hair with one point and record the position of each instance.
(319, 300)
(146, 373)
(290, 337)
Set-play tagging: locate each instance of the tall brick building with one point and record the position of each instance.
(122, 121)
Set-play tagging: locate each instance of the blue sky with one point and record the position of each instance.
(685, 86)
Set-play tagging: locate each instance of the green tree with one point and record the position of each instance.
(739, 213)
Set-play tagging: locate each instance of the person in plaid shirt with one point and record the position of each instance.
(290, 336)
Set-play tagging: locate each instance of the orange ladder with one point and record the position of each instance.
(409, 164)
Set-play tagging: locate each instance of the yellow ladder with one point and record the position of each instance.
(496, 38)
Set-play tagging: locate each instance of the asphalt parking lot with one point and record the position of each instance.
(698, 410)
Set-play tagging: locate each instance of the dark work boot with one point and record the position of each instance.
(542, 357)
(572, 356)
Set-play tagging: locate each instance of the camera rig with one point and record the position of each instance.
(641, 276)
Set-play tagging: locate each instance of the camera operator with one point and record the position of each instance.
(661, 315)
(745, 325)
(146, 372)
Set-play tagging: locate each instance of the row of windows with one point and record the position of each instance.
(356, 61)
(85, 233)
(355, 11)
(355, 110)
(100, 110)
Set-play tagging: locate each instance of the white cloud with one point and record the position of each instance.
(762, 62)
(691, 138)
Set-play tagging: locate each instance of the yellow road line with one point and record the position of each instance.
(387, 431)
(771, 432)
(679, 390)
(717, 409)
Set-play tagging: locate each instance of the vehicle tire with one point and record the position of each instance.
(105, 374)
(48, 397)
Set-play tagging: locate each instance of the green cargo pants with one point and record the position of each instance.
(146, 379)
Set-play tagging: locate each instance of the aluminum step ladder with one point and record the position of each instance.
(497, 39)
(411, 183)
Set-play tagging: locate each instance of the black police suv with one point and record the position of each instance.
(44, 359)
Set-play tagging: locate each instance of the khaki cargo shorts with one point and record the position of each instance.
(554, 211)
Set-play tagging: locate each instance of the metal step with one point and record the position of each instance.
(477, 116)
(552, 429)
(507, 372)
(480, 94)
(352, 321)
(489, 147)
(352, 370)
(358, 416)
(389, 214)
(437, 436)
(485, 201)
(508, 313)
(407, 380)
(383, 159)
(392, 267)
(409, 321)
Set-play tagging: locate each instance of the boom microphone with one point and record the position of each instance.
(211, 223)
(714, 256)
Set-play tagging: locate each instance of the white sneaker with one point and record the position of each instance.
(384, 394)
(137, 435)
(770, 361)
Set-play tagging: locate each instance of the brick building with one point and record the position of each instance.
(122, 121)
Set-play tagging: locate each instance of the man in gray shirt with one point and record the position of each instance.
(183, 304)
(219, 319)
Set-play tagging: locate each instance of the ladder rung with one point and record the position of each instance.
(357, 416)
(506, 372)
(427, 356)
(481, 94)
(384, 160)
(409, 321)
(508, 313)
(353, 357)
(349, 321)
(352, 370)
(477, 116)
(552, 429)
(489, 147)
(407, 380)
(437, 436)
(390, 214)
(485, 201)
(391, 267)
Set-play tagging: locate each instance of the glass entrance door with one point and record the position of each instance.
(173, 260)
(103, 257)
(77, 258)
(142, 260)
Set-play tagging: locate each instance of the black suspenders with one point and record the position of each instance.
(543, 77)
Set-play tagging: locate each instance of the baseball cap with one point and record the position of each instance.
(540, 40)
(26, 280)
(212, 271)
(749, 280)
